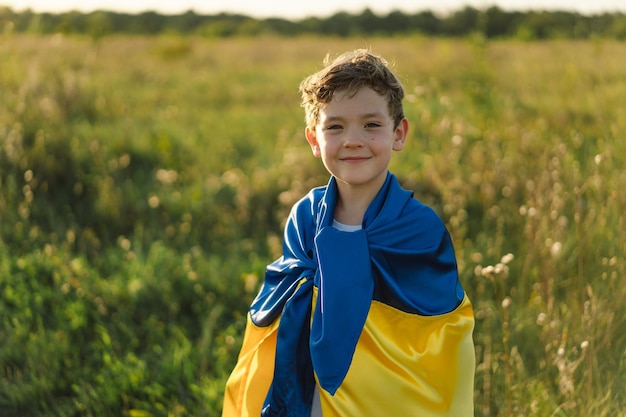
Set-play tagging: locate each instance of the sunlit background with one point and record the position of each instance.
(292, 9)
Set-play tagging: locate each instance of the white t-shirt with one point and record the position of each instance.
(316, 407)
(346, 227)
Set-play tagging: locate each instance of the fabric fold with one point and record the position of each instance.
(403, 257)
(345, 286)
(291, 391)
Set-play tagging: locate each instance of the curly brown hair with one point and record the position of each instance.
(350, 72)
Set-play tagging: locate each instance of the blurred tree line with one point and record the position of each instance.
(492, 22)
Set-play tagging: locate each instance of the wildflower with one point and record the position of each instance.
(541, 319)
(478, 271)
(598, 159)
(501, 270)
(124, 243)
(488, 271)
(166, 176)
(507, 258)
(153, 201)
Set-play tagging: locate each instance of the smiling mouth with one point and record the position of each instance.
(355, 159)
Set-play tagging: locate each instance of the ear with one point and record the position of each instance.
(400, 134)
(311, 137)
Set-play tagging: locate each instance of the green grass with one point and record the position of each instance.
(144, 183)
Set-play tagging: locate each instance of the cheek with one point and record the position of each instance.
(325, 146)
(324, 151)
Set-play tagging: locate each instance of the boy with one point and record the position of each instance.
(363, 314)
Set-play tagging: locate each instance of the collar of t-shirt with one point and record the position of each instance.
(346, 227)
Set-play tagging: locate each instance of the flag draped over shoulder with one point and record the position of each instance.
(402, 257)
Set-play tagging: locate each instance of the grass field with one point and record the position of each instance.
(144, 183)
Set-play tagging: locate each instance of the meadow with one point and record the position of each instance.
(144, 182)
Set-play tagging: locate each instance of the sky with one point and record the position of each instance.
(319, 8)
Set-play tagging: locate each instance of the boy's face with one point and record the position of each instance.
(355, 136)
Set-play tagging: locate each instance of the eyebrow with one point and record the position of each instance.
(364, 116)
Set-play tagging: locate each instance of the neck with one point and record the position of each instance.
(353, 201)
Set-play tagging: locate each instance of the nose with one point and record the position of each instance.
(354, 138)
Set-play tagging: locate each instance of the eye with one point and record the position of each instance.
(333, 127)
(372, 125)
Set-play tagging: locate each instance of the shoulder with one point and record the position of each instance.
(416, 207)
(308, 204)
(423, 221)
(406, 204)
(303, 216)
